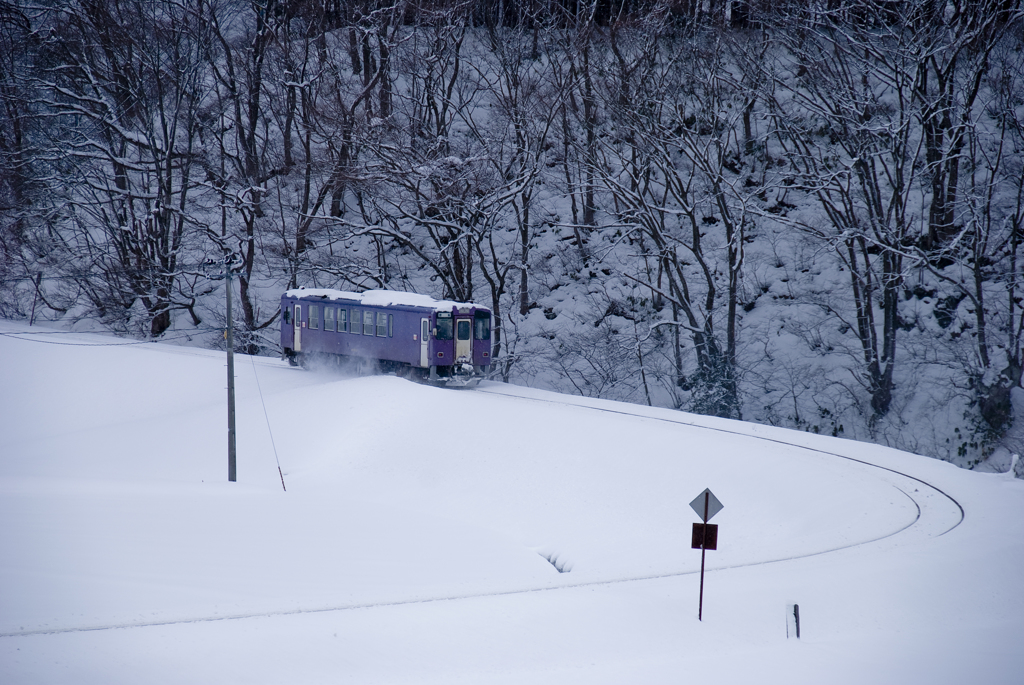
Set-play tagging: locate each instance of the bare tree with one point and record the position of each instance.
(673, 188)
(124, 83)
(20, 264)
(244, 162)
(952, 47)
(516, 140)
(854, 83)
(979, 263)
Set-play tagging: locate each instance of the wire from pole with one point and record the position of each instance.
(17, 335)
(267, 416)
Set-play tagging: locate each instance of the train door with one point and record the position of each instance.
(464, 339)
(424, 342)
(297, 323)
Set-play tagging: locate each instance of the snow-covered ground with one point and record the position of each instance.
(422, 532)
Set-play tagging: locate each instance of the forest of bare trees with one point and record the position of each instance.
(800, 213)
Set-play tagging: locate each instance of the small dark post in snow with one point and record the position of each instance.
(705, 535)
(793, 620)
(39, 279)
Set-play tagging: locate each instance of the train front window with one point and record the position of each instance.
(463, 326)
(482, 326)
(444, 327)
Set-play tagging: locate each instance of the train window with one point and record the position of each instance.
(382, 325)
(367, 323)
(356, 326)
(482, 326)
(444, 326)
(463, 326)
(314, 316)
(286, 314)
(342, 320)
(391, 325)
(328, 318)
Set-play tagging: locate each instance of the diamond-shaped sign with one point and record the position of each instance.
(714, 506)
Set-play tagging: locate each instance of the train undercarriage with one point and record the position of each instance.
(459, 375)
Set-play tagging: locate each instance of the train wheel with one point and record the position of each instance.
(407, 372)
(363, 366)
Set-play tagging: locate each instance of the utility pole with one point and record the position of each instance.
(232, 264)
(231, 382)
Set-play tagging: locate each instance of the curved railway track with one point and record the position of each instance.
(945, 516)
(937, 513)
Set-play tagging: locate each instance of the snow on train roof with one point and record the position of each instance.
(381, 298)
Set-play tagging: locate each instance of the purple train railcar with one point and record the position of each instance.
(410, 334)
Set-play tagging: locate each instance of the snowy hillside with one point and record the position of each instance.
(500, 535)
(802, 219)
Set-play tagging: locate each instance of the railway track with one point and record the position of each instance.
(937, 513)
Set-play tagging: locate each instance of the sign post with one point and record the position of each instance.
(705, 535)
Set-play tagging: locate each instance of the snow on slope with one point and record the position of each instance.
(127, 557)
